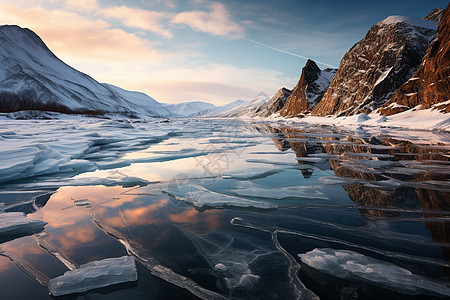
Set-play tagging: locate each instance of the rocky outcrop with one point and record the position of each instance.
(376, 66)
(430, 85)
(435, 15)
(274, 104)
(309, 90)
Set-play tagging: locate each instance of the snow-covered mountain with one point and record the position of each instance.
(189, 108)
(32, 77)
(212, 112)
(245, 108)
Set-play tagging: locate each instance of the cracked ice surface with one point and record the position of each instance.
(110, 187)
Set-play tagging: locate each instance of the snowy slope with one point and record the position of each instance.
(218, 110)
(30, 71)
(411, 21)
(189, 108)
(246, 107)
(140, 101)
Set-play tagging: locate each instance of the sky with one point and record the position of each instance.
(201, 50)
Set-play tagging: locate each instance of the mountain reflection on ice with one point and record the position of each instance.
(223, 209)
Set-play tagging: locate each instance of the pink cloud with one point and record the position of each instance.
(78, 37)
(216, 22)
(138, 18)
(82, 5)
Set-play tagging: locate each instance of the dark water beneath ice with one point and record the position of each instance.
(220, 208)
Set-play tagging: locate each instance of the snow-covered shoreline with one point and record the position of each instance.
(413, 119)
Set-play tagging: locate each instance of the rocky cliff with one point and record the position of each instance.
(275, 103)
(430, 85)
(435, 15)
(309, 90)
(375, 67)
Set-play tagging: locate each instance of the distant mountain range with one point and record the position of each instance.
(401, 63)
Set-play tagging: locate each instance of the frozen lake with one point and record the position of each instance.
(225, 209)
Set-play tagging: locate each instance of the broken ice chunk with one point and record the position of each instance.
(251, 189)
(81, 202)
(94, 275)
(248, 280)
(200, 197)
(16, 224)
(352, 265)
(220, 267)
(251, 174)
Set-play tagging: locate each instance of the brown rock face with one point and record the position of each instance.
(435, 15)
(430, 85)
(274, 104)
(309, 89)
(376, 66)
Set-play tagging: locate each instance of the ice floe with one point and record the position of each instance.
(16, 224)
(355, 266)
(251, 189)
(202, 197)
(94, 275)
(251, 174)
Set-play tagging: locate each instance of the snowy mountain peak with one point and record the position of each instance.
(17, 33)
(189, 108)
(411, 21)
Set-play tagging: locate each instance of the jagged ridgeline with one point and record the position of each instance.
(430, 85)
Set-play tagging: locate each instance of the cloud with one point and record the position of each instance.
(216, 22)
(138, 18)
(76, 36)
(82, 5)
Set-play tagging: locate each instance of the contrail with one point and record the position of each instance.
(293, 54)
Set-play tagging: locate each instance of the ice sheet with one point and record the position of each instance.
(94, 275)
(355, 266)
(14, 224)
